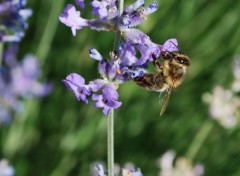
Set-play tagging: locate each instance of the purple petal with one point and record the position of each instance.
(96, 97)
(75, 83)
(103, 67)
(83, 97)
(151, 8)
(106, 110)
(110, 93)
(170, 45)
(71, 18)
(136, 72)
(99, 104)
(147, 52)
(97, 84)
(128, 55)
(76, 79)
(135, 36)
(93, 53)
(134, 6)
(80, 3)
(31, 66)
(114, 104)
(106, 9)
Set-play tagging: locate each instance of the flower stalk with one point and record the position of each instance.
(1, 53)
(110, 146)
(118, 33)
(110, 134)
(199, 139)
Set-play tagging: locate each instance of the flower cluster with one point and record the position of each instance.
(113, 72)
(109, 20)
(123, 64)
(13, 18)
(18, 80)
(5, 169)
(181, 167)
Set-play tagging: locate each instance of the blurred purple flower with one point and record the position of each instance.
(19, 81)
(13, 18)
(80, 3)
(107, 100)
(24, 78)
(5, 169)
(76, 83)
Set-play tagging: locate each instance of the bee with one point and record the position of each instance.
(168, 76)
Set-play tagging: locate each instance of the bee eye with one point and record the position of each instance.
(180, 60)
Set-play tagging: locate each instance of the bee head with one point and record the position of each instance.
(182, 59)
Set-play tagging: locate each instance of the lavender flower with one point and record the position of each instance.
(123, 64)
(182, 166)
(13, 18)
(5, 169)
(107, 100)
(109, 20)
(76, 83)
(19, 81)
(72, 18)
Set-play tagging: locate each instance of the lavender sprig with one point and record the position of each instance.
(13, 16)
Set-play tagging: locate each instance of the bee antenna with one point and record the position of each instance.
(177, 47)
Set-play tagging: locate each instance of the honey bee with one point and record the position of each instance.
(168, 76)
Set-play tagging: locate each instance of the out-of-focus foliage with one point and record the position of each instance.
(59, 136)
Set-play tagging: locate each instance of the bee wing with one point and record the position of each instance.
(166, 100)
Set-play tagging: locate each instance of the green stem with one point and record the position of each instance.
(111, 143)
(49, 31)
(1, 53)
(118, 33)
(110, 132)
(199, 139)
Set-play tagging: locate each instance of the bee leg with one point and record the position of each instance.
(156, 63)
(144, 80)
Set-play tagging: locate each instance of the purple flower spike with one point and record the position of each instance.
(76, 83)
(70, 17)
(80, 3)
(107, 100)
(170, 45)
(151, 8)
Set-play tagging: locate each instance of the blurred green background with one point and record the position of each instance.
(58, 136)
